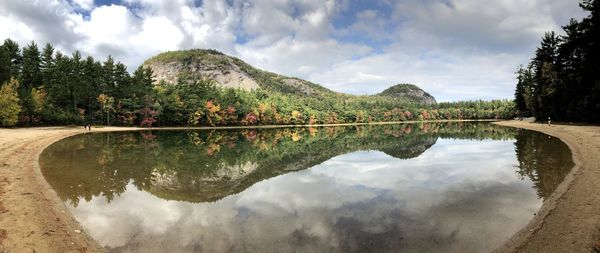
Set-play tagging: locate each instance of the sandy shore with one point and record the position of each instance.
(569, 221)
(34, 219)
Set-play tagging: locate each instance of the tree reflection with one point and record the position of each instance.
(200, 166)
(543, 159)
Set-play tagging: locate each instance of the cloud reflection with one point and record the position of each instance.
(458, 196)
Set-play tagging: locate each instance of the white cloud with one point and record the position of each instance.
(15, 29)
(158, 34)
(485, 75)
(106, 24)
(298, 57)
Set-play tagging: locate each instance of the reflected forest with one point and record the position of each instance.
(208, 165)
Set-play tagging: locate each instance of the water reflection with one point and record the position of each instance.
(413, 188)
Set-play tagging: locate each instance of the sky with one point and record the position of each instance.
(454, 49)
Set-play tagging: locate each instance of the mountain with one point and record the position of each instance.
(231, 72)
(226, 71)
(410, 92)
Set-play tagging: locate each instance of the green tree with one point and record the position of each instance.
(4, 65)
(14, 54)
(108, 75)
(90, 87)
(545, 74)
(47, 65)
(522, 83)
(566, 80)
(31, 78)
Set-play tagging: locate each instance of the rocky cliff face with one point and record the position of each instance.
(215, 66)
(409, 92)
(225, 71)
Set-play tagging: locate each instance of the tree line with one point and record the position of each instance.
(562, 81)
(47, 87)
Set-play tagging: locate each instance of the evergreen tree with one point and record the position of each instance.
(75, 82)
(14, 53)
(4, 65)
(566, 80)
(142, 81)
(31, 78)
(520, 104)
(47, 65)
(57, 88)
(108, 75)
(122, 81)
(589, 103)
(92, 80)
(545, 75)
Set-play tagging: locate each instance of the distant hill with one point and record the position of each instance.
(231, 72)
(410, 92)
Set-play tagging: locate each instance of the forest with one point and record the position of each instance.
(562, 81)
(46, 87)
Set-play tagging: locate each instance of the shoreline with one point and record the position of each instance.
(296, 126)
(569, 220)
(33, 218)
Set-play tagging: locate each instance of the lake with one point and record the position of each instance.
(435, 187)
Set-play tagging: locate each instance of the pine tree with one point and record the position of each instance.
(48, 65)
(520, 104)
(545, 76)
(75, 79)
(122, 81)
(31, 78)
(14, 54)
(108, 75)
(92, 79)
(589, 103)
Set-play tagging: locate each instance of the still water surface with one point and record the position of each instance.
(446, 187)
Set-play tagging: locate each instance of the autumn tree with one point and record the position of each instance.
(9, 103)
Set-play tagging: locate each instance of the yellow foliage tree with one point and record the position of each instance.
(9, 103)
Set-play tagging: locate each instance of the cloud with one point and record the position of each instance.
(300, 57)
(455, 49)
(471, 24)
(486, 75)
(42, 21)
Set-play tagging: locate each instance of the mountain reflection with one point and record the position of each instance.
(200, 166)
(449, 187)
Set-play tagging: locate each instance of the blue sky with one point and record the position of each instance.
(455, 49)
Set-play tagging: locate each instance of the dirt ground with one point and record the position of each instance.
(569, 221)
(34, 219)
